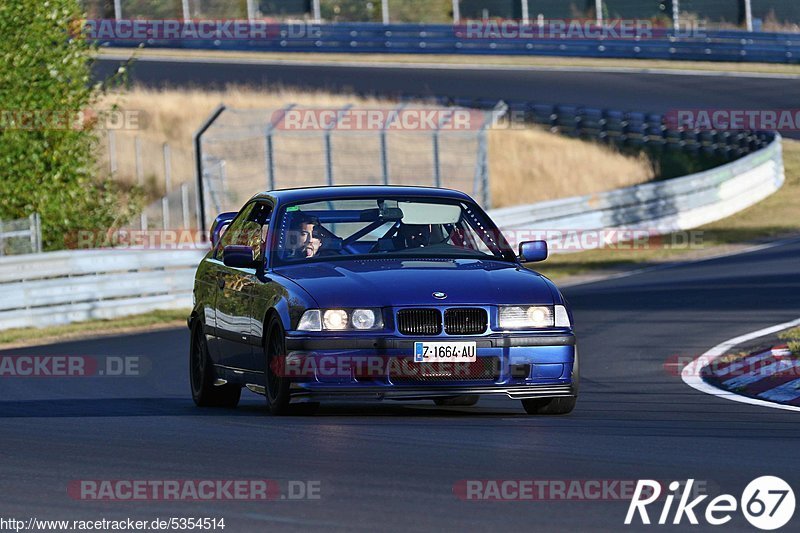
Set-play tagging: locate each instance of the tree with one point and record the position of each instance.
(47, 154)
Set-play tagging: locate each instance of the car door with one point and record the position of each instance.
(233, 299)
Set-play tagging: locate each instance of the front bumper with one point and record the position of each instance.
(516, 366)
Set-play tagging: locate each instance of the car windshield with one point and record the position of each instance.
(386, 227)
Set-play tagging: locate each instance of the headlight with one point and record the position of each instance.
(340, 320)
(335, 319)
(526, 316)
(363, 319)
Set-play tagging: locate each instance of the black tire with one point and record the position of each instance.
(556, 406)
(465, 400)
(202, 376)
(550, 406)
(276, 388)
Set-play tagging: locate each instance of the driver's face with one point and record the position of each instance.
(308, 242)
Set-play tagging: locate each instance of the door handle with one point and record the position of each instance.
(221, 283)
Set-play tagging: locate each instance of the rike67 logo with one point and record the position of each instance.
(767, 503)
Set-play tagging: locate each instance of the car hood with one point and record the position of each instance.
(402, 282)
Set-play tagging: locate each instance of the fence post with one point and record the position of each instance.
(270, 161)
(481, 165)
(117, 9)
(525, 12)
(598, 7)
(39, 245)
(165, 212)
(185, 205)
(385, 11)
(140, 178)
(385, 142)
(456, 12)
(198, 159)
(328, 149)
(268, 148)
(112, 152)
(251, 10)
(676, 15)
(32, 230)
(437, 171)
(187, 15)
(167, 169)
(2, 239)
(748, 14)
(317, 15)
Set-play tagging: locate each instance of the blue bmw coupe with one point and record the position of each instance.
(401, 293)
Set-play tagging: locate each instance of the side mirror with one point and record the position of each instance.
(220, 223)
(238, 256)
(532, 251)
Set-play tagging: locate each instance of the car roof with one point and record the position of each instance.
(305, 194)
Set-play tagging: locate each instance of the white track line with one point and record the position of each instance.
(691, 375)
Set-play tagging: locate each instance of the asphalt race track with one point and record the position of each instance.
(393, 466)
(647, 92)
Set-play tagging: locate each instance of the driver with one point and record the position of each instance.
(304, 237)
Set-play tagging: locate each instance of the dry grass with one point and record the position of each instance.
(774, 217)
(533, 165)
(525, 165)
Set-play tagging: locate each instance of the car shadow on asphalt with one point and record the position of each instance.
(144, 407)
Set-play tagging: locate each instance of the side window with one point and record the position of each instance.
(248, 229)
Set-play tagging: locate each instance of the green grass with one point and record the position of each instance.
(792, 338)
(774, 216)
(29, 336)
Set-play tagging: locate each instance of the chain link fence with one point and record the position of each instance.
(247, 151)
(21, 236)
(757, 15)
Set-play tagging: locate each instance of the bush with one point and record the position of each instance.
(47, 153)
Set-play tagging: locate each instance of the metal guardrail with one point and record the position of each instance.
(61, 287)
(71, 286)
(660, 207)
(731, 45)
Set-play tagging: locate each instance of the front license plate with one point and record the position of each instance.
(452, 352)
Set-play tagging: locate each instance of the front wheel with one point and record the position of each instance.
(550, 406)
(276, 385)
(557, 406)
(202, 377)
